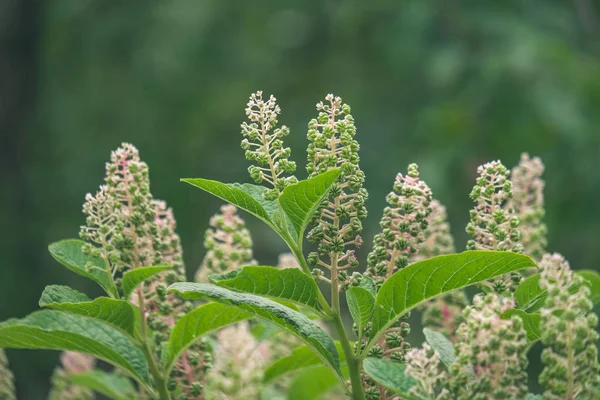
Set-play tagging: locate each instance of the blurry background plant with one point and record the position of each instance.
(448, 85)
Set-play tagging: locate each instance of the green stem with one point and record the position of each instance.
(351, 359)
(159, 381)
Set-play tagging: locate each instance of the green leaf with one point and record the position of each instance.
(118, 313)
(300, 358)
(69, 253)
(110, 385)
(56, 330)
(300, 201)
(247, 197)
(442, 345)
(592, 279)
(389, 374)
(288, 284)
(531, 396)
(202, 320)
(368, 283)
(312, 383)
(529, 296)
(288, 319)
(132, 278)
(361, 304)
(531, 323)
(426, 279)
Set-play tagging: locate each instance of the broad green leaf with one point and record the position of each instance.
(56, 330)
(202, 320)
(69, 253)
(361, 304)
(301, 200)
(287, 284)
(118, 313)
(442, 345)
(312, 383)
(111, 385)
(288, 319)
(531, 323)
(529, 296)
(426, 279)
(368, 283)
(132, 278)
(247, 197)
(300, 358)
(592, 279)
(389, 374)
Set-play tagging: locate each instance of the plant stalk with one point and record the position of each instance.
(159, 381)
(351, 359)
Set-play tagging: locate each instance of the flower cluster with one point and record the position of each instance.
(228, 244)
(62, 388)
(438, 239)
(403, 224)
(570, 355)
(528, 204)
(338, 226)
(424, 365)
(491, 353)
(7, 386)
(444, 313)
(263, 143)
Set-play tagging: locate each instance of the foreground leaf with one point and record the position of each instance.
(312, 383)
(442, 345)
(389, 374)
(288, 319)
(300, 201)
(201, 321)
(118, 313)
(134, 277)
(424, 280)
(69, 253)
(108, 384)
(301, 358)
(55, 330)
(531, 323)
(361, 304)
(288, 284)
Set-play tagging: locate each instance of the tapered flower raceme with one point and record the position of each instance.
(7, 385)
(338, 225)
(491, 353)
(438, 238)
(493, 225)
(404, 223)
(425, 367)
(528, 204)
(62, 388)
(228, 244)
(263, 143)
(571, 355)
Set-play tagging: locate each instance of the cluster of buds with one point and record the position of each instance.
(263, 143)
(403, 225)
(239, 362)
(338, 225)
(438, 238)
(491, 353)
(7, 385)
(528, 204)
(425, 367)
(444, 313)
(570, 355)
(62, 388)
(228, 244)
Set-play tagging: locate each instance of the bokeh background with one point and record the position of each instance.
(447, 84)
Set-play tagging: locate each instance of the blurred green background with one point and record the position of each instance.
(447, 84)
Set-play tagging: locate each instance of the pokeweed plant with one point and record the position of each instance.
(158, 331)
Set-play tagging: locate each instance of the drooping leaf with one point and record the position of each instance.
(111, 385)
(288, 319)
(361, 304)
(70, 254)
(118, 313)
(426, 279)
(531, 323)
(442, 345)
(301, 357)
(201, 321)
(287, 284)
(389, 374)
(312, 383)
(592, 279)
(300, 201)
(134, 277)
(56, 330)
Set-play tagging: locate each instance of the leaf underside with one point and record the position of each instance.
(442, 345)
(389, 374)
(134, 277)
